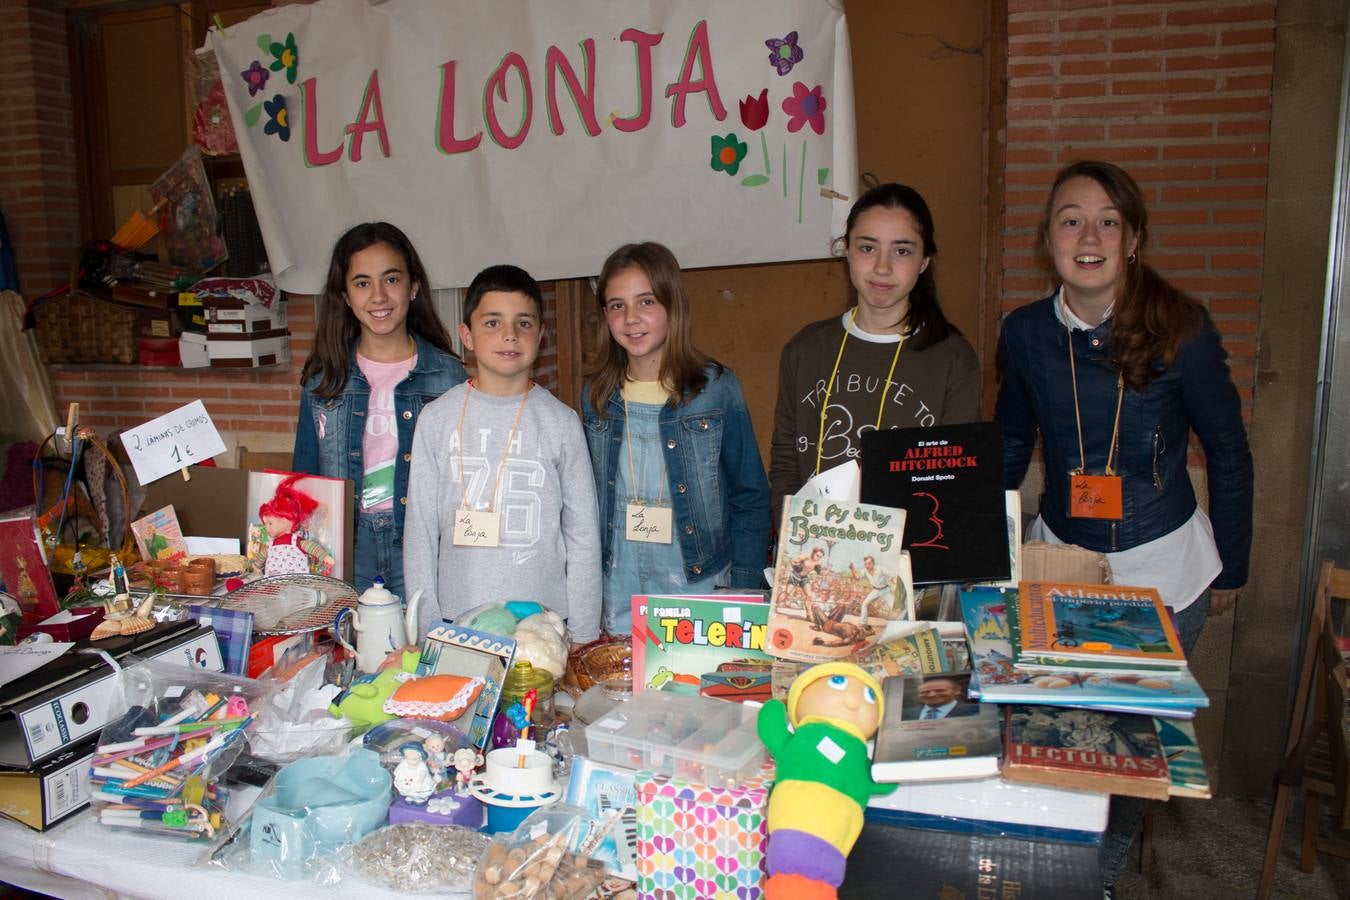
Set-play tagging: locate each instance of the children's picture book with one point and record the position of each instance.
(987, 613)
(158, 535)
(683, 638)
(949, 480)
(839, 580)
(1185, 766)
(1114, 753)
(23, 567)
(456, 650)
(931, 732)
(299, 523)
(1095, 622)
(604, 790)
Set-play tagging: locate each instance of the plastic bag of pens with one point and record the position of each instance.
(172, 729)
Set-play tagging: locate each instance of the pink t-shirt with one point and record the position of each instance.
(379, 446)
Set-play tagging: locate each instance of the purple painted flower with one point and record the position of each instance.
(784, 54)
(277, 122)
(805, 106)
(255, 76)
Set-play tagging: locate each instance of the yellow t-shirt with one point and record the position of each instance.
(653, 392)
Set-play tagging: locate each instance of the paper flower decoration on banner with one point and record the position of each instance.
(805, 106)
(755, 112)
(285, 57)
(727, 153)
(255, 76)
(277, 121)
(784, 53)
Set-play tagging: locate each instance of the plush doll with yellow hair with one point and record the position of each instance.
(819, 743)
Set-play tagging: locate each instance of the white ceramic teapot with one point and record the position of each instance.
(381, 625)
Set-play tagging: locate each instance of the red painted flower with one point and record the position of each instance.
(755, 112)
(727, 153)
(805, 106)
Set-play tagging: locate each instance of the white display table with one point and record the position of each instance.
(82, 859)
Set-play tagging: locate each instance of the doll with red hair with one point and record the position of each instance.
(288, 552)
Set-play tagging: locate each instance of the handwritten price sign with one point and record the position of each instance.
(172, 442)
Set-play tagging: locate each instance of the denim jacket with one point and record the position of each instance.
(1195, 392)
(329, 435)
(718, 490)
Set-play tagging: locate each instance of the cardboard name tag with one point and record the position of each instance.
(1095, 496)
(648, 524)
(476, 528)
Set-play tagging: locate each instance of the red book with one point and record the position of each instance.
(1113, 753)
(23, 567)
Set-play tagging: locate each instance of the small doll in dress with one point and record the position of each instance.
(288, 552)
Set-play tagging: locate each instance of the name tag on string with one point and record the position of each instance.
(648, 524)
(1095, 496)
(476, 528)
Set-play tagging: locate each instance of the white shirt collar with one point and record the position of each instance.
(1067, 316)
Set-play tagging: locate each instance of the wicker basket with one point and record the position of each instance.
(82, 327)
(604, 660)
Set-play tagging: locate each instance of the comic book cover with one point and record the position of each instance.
(840, 578)
(687, 638)
(159, 536)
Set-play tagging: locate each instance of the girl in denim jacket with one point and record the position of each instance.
(684, 504)
(380, 355)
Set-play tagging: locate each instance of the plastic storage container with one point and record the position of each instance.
(690, 738)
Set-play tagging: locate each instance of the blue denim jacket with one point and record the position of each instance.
(342, 421)
(718, 490)
(1195, 392)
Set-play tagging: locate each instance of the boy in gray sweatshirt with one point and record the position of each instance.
(501, 500)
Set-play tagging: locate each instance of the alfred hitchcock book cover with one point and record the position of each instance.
(1091, 622)
(987, 614)
(840, 579)
(949, 479)
(1094, 750)
(931, 731)
(685, 638)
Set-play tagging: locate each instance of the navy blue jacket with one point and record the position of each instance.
(718, 491)
(1195, 393)
(329, 435)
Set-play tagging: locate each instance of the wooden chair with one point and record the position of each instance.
(257, 461)
(1315, 754)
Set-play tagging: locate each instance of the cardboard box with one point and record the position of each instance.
(50, 793)
(701, 843)
(192, 350)
(1065, 563)
(259, 348)
(214, 504)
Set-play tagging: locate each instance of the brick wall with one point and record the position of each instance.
(1178, 93)
(37, 145)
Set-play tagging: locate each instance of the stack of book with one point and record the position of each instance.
(1096, 685)
(1103, 647)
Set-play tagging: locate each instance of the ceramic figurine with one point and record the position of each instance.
(465, 761)
(412, 777)
(437, 759)
(824, 777)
